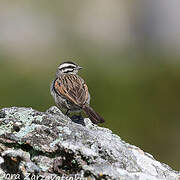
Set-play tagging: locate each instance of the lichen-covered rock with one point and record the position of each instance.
(48, 145)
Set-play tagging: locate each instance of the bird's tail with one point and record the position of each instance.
(94, 116)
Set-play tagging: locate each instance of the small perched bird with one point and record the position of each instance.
(71, 93)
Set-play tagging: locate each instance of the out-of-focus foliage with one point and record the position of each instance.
(133, 76)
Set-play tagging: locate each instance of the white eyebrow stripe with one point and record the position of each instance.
(66, 65)
(69, 69)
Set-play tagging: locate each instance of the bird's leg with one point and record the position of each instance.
(67, 112)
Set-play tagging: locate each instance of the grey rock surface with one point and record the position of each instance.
(48, 145)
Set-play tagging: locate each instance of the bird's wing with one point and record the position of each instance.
(72, 88)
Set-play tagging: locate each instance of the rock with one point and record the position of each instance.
(49, 145)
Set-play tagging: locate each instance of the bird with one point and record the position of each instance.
(70, 91)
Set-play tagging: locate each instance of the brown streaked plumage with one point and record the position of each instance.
(71, 87)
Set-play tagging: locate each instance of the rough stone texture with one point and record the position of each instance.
(49, 145)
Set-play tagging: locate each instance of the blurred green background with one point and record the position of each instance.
(130, 52)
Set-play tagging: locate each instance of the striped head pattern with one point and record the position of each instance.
(68, 67)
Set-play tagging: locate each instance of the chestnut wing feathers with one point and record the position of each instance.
(72, 88)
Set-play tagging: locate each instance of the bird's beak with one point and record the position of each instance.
(79, 67)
